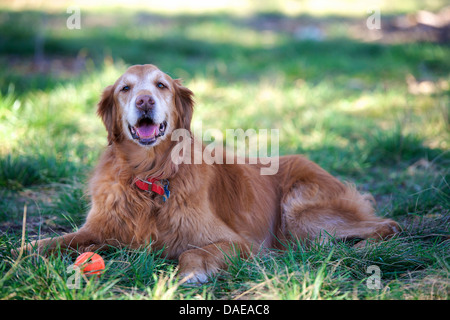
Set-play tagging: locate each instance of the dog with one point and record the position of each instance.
(202, 214)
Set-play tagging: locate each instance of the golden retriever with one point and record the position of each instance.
(213, 210)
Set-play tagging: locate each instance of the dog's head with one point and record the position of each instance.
(145, 105)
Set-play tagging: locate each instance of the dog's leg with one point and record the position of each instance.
(81, 241)
(197, 265)
(309, 214)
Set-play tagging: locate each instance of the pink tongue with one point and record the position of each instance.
(147, 131)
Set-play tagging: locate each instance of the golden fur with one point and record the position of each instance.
(213, 210)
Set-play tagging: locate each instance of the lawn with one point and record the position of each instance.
(370, 106)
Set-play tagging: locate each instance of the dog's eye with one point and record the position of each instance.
(160, 85)
(125, 89)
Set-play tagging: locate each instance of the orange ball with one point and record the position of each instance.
(90, 263)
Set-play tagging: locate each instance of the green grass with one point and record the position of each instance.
(344, 103)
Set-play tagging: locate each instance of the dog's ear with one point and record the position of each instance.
(184, 103)
(108, 112)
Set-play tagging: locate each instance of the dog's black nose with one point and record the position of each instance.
(145, 102)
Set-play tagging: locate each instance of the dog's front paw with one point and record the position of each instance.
(25, 250)
(198, 266)
(194, 277)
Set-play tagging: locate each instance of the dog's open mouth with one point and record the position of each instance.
(146, 131)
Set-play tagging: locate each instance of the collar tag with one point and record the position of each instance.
(166, 190)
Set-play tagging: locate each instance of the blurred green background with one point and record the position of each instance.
(369, 105)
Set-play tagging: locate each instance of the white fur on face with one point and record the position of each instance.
(144, 83)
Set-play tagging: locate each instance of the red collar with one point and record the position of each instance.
(149, 185)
